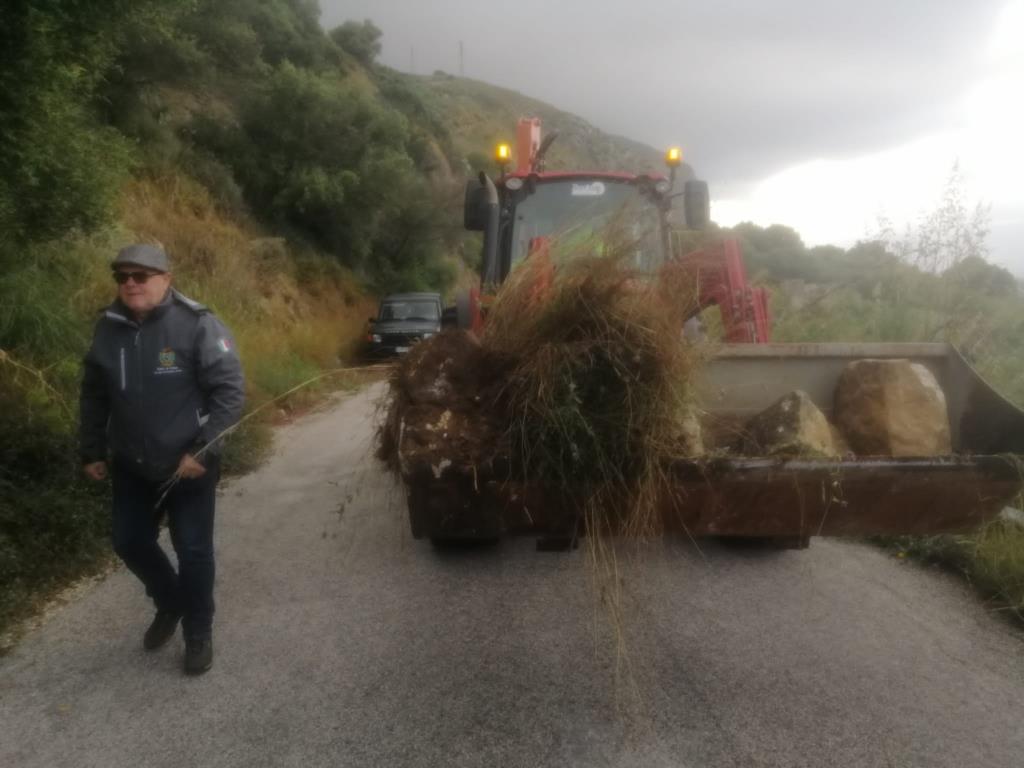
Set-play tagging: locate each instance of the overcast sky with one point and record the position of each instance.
(819, 114)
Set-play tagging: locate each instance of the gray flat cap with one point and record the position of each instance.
(143, 255)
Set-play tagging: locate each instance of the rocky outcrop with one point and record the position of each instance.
(892, 408)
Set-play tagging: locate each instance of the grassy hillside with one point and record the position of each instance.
(481, 115)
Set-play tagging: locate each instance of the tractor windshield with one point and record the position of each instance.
(585, 211)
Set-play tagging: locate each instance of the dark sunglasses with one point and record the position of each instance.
(138, 277)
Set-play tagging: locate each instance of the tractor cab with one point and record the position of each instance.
(577, 208)
(525, 209)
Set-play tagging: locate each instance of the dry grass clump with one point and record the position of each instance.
(581, 382)
(599, 379)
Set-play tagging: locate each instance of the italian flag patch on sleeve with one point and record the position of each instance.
(224, 345)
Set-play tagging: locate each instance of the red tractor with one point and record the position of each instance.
(785, 500)
(525, 207)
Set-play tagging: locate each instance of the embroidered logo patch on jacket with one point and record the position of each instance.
(168, 362)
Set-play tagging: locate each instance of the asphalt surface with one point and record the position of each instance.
(340, 641)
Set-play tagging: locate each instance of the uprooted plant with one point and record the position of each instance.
(581, 380)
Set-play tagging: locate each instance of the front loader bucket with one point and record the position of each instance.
(848, 497)
(788, 500)
(856, 497)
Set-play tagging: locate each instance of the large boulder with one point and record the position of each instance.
(793, 426)
(892, 408)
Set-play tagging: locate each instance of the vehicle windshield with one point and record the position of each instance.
(421, 309)
(576, 210)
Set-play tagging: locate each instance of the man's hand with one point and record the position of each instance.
(96, 470)
(189, 468)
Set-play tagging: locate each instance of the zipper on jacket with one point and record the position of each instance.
(140, 385)
(140, 378)
(124, 383)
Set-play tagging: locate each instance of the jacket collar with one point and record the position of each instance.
(119, 313)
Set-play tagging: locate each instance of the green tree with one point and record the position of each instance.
(59, 165)
(777, 251)
(360, 39)
(975, 275)
(946, 235)
(322, 157)
(953, 231)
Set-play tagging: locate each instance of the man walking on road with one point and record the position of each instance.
(162, 381)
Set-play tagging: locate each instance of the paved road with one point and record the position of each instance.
(342, 642)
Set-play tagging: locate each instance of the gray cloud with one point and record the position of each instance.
(746, 87)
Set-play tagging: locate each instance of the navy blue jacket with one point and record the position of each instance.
(152, 392)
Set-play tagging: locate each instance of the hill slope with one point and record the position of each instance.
(481, 115)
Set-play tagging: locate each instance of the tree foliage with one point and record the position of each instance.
(360, 39)
(932, 282)
(59, 166)
(948, 234)
(91, 90)
(320, 156)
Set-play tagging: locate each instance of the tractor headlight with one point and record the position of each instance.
(376, 338)
(662, 186)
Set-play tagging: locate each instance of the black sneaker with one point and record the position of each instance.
(161, 630)
(198, 655)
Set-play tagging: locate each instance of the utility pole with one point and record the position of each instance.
(462, 60)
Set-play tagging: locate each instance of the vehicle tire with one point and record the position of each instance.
(764, 543)
(451, 543)
(789, 542)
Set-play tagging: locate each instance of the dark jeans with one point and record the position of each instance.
(189, 507)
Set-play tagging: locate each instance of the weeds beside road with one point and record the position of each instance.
(990, 559)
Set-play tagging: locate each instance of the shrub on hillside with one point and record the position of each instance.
(321, 157)
(360, 39)
(58, 167)
(52, 523)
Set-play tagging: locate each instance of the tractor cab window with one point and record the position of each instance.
(579, 214)
(409, 310)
